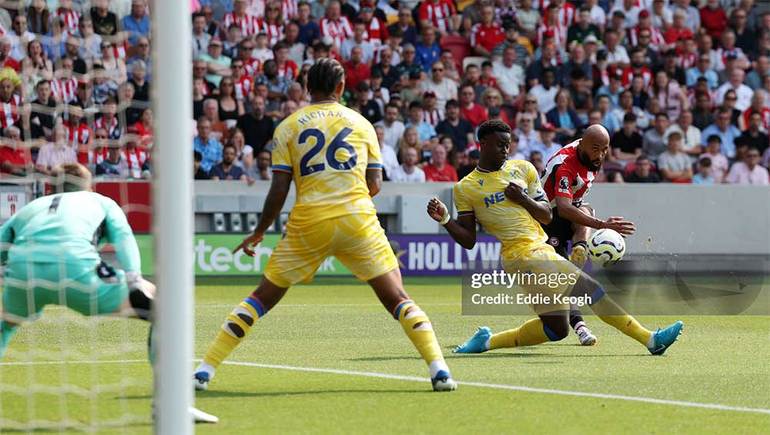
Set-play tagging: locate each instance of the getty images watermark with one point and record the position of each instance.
(515, 292)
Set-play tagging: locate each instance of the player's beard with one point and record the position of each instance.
(592, 166)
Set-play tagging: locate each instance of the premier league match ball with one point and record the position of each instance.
(606, 247)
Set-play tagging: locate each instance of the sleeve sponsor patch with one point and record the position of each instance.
(564, 185)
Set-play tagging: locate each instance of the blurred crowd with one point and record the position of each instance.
(681, 86)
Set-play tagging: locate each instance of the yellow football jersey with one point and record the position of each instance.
(327, 148)
(482, 193)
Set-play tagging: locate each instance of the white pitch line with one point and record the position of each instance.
(679, 403)
(652, 400)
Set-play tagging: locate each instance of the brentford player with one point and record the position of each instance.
(567, 179)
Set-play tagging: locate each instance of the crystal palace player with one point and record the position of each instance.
(507, 199)
(567, 179)
(332, 155)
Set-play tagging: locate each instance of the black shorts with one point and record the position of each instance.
(559, 233)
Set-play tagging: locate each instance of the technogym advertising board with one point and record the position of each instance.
(418, 254)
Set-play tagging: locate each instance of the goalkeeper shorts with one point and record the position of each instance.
(88, 287)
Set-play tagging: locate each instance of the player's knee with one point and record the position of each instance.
(588, 287)
(556, 326)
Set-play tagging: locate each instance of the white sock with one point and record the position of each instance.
(579, 325)
(203, 367)
(486, 343)
(651, 342)
(437, 366)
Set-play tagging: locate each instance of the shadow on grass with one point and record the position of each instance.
(128, 427)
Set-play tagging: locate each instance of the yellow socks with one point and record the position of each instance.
(418, 328)
(528, 334)
(236, 326)
(621, 320)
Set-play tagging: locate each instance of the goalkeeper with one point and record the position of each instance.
(49, 250)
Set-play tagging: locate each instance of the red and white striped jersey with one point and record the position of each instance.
(64, 89)
(376, 32)
(78, 135)
(656, 37)
(135, 158)
(247, 23)
(339, 30)
(289, 70)
(566, 176)
(629, 73)
(432, 117)
(558, 32)
(70, 18)
(9, 111)
(243, 87)
(119, 50)
(289, 9)
(273, 31)
(687, 60)
(113, 128)
(438, 12)
(92, 157)
(252, 66)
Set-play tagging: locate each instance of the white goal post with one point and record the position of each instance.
(173, 214)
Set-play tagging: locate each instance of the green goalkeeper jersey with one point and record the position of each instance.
(67, 228)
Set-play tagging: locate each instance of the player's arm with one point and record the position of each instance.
(568, 211)
(539, 209)
(374, 180)
(276, 197)
(118, 232)
(462, 230)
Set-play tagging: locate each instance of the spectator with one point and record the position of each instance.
(430, 112)
(72, 51)
(198, 172)
(713, 18)
(387, 154)
(210, 148)
(609, 120)
(583, 27)
(719, 162)
(705, 173)
(536, 158)
(469, 109)
(653, 141)
(748, 171)
(627, 107)
(90, 48)
(55, 153)
(756, 77)
(365, 105)
(356, 70)
(443, 88)
(19, 37)
(227, 169)
(262, 166)
(334, 25)
(626, 143)
(43, 112)
(427, 49)
(200, 38)
(703, 69)
(547, 147)
(257, 128)
(15, 157)
(726, 132)
(486, 34)
(563, 117)
(408, 172)
(643, 171)
(393, 128)
(104, 88)
(669, 95)
(614, 88)
(105, 22)
(217, 64)
(137, 24)
(742, 92)
(675, 165)
(416, 119)
(702, 112)
(459, 129)
(139, 81)
(113, 165)
(692, 143)
(404, 26)
(529, 18)
(230, 109)
(409, 64)
(144, 128)
(510, 75)
(438, 169)
(526, 135)
(754, 137)
(386, 69)
(309, 30)
(758, 105)
(142, 53)
(358, 40)
(114, 66)
(438, 14)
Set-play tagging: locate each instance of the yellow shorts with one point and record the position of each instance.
(545, 277)
(357, 240)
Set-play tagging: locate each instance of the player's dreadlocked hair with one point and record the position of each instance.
(493, 126)
(324, 76)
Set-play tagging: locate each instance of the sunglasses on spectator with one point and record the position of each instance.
(101, 136)
(530, 102)
(731, 98)
(438, 69)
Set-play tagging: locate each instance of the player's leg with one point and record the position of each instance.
(561, 234)
(235, 328)
(361, 245)
(613, 314)
(553, 326)
(295, 259)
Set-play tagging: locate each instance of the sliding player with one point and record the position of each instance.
(331, 154)
(506, 197)
(567, 179)
(50, 257)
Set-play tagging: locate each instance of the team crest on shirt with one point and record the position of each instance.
(481, 182)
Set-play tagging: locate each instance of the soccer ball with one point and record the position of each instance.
(606, 247)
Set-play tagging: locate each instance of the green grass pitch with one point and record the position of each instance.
(339, 325)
